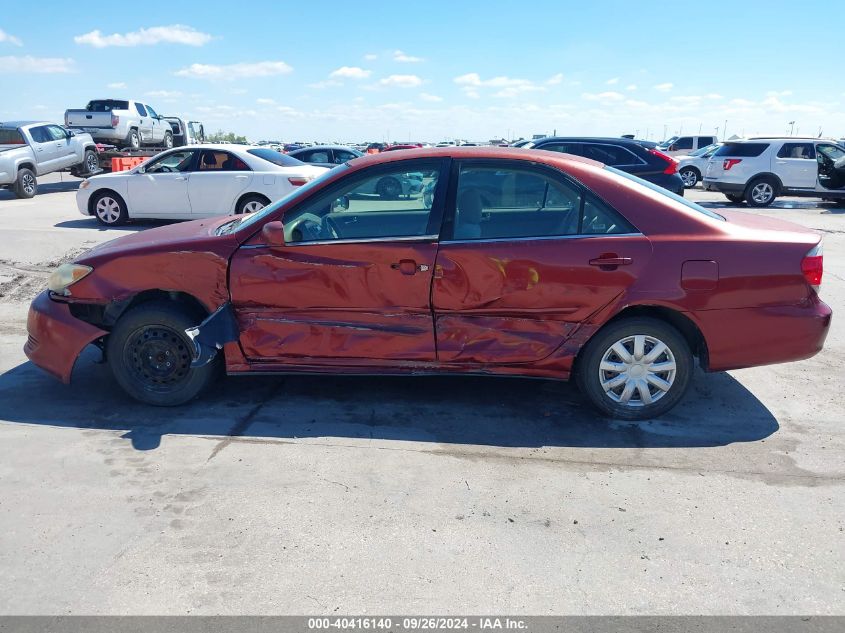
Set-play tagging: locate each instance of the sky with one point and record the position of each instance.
(434, 70)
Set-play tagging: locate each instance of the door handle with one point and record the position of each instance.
(610, 261)
(181, 178)
(241, 177)
(409, 267)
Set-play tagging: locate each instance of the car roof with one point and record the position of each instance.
(24, 123)
(478, 152)
(588, 139)
(313, 147)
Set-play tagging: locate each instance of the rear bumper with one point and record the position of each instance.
(724, 187)
(749, 337)
(671, 182)
(56, 337)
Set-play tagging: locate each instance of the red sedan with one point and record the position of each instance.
(519, 263)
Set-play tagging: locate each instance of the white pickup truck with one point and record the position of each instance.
(121, 122)
(29, 149)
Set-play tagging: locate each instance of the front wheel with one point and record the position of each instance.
(110, 209)
(690, 177)
(150, 355)
(635, 369)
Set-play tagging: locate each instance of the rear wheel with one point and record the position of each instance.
(150, 355)
(690, 177)
(133, 139)
(109, 208)
(761, 192)
(635, 369)
(168, 140)
(26, 186)
(251, 204)
(91, 162)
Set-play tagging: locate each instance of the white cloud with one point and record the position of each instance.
(602, 96)
(402, 81)
(743, 103)
(665, 87)
(612, 82)
(509, 86)
(117, 85)
(554, 79)
(39, 65)
(264, 101)
(775, 93)
(370, 57)
(328, 83)
(399, 56)
(11, 39)
(631, 87)
(163, 94)
(633, 103)
(432, 98)
(235, 71)
(350, 72)
(472, 94)
(173, 34)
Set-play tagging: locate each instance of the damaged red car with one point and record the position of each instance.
(456, 260)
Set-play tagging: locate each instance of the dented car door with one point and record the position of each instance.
(351, 283)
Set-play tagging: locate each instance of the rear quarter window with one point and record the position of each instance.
(742, 150)
(11, 136)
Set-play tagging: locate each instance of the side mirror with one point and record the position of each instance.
(672, 148)
(68, 134)
(340, 204)
(274, 233)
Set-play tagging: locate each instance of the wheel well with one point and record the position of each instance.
(778, 183)
(96, 195)
(688, 329)
(247, 195)
(192, 306)
(92, 148)
(29, 166)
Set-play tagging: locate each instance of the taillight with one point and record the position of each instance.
(730, 162)
(813, 266)
(672, 164)
(114, 120)
(298, 181)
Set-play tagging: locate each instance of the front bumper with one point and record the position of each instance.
(56, 337)
(83, 196)
(748, 337)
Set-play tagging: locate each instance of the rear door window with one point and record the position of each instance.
(564, 148)
(797, 150)
(214, 160)
(40, 134)
(140, 108)
(741, 150)
(685, 142)
(613, 155)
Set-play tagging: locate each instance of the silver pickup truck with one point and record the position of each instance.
(121, 122)
(29, 149)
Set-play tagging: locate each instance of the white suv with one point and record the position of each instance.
(758, 170)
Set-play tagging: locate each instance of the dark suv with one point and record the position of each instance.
(623, 154)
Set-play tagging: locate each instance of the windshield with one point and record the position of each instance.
(667, 193)
(277, 158)
(665, 144)
(258, 216)
(705, 150)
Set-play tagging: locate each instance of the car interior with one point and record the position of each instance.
(831, 161)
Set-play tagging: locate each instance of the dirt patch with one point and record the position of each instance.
(21, 282)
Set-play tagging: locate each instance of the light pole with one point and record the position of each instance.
(791, 127)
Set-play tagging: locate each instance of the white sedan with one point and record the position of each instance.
(194, 182)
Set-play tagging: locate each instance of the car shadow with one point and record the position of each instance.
(502, 412)
(92, 223)
(44, 188)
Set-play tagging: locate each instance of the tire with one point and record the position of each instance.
(735, 197)
(91, 162)
(251, 204)
(690, 176)
(592, 373)
(168, 140)
(761, 191)
(133, 139)
(389, 188)
(26, 185)
(150, 355)
(109, 208)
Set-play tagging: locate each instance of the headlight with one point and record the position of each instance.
(66, 275)
(85, 184)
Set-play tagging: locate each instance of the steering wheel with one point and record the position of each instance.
(331, 228)
(165, 169)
